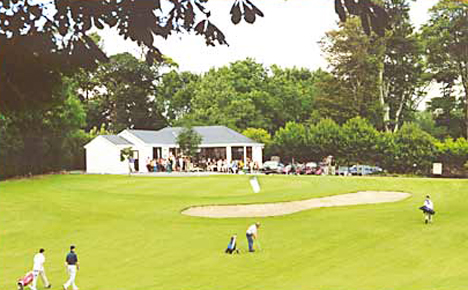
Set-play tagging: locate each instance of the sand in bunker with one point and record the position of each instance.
(284, 208)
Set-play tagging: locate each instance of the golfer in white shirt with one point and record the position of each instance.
(38, 270)
(428, 209)
(252, 234)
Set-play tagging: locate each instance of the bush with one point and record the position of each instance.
(290, 142)
(360, 140)
(414, 150)
(453, 154)
(324, 139)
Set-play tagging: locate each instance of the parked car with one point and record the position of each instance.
(343, 170)
(300, 168)
(290, 169)
(270, 167)
(310, 168)
(364, 170)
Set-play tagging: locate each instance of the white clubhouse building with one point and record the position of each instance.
(218, 142)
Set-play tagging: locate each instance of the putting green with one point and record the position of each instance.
(290, 207)
(130, 234)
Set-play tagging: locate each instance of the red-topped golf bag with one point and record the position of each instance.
(25, 281)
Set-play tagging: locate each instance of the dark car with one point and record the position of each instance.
(272, 167)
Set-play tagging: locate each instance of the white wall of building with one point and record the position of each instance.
(104, 157)
(145, 152)
(257, 155)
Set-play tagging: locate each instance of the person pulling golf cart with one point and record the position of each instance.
(428, 209)
(232, 246)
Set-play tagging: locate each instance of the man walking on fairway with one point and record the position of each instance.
(252, 233)
(38, 269)
(71, 262)
(428, 209)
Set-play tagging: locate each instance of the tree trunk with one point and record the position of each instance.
(383, 96)
(398, 115)
(464, 77)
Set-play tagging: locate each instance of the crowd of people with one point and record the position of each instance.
(186, 164)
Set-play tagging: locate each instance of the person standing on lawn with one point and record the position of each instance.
(252, 234)
(71, 262)
(428, 209)
(38, 270)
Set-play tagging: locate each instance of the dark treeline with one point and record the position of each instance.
(364, 109)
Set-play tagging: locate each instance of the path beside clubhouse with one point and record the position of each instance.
(284, 208)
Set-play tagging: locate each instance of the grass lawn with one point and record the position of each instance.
(130, 234)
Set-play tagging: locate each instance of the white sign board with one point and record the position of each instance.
(255, 185)
(437, 168)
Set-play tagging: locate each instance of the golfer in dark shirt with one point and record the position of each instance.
(71, 262)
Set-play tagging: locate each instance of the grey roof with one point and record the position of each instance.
(210, 135)
(117, 140)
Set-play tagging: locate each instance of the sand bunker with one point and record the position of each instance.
(284, 208)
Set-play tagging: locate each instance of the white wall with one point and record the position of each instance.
(257, 155)
(104, 157)
(144, 152)
(165, 152)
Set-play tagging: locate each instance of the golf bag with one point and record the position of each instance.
(25, 281)
(425, 209)
(232, 246)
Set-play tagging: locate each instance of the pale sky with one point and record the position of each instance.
(288, 35)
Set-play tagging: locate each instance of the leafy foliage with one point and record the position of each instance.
(360, 141)
(122, 94)
(38, 46)
(258, 135)
(402, 80)
(453, 154)
(373, 16)
(324, 139)
(247, 94)
(261, 136)
(414, 151)
(126, 154)
(446, 36)
(355, 58)
(45, 138)
(189, 141)
(448, 116)
(290, 142)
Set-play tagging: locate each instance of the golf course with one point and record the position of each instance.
(130, 234)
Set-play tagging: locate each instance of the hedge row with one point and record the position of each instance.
(409, 150)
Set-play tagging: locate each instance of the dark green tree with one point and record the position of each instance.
(174, 95)
(189, 141)
(324, 139)
(414, 150)
(33, 58)
(290, 142)
(355, 59)
(360, 141)
(401, 70)
(446, 37)
(124, 95)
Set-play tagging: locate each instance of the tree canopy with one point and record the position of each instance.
(40, 41)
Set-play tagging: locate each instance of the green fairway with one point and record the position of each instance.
(129, 234)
